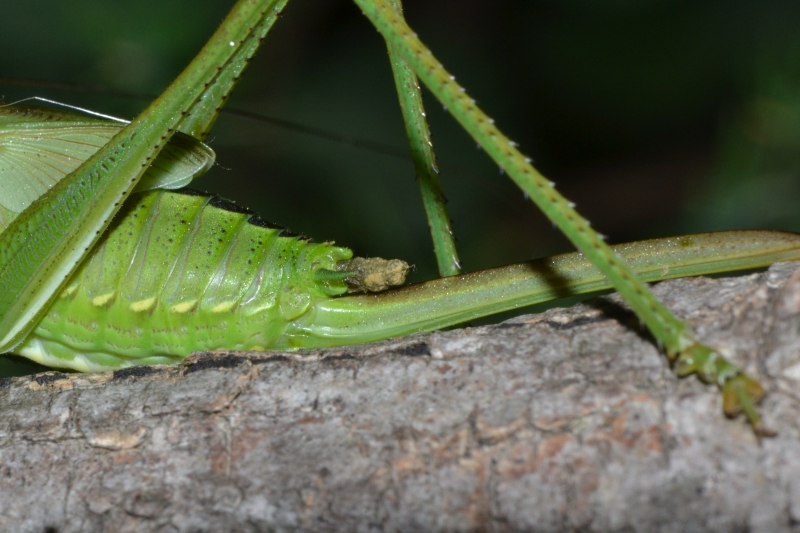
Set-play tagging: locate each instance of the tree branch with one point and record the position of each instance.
(566, 420)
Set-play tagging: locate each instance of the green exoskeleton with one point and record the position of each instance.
(96, 274)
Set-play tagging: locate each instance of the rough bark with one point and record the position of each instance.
(561, 421)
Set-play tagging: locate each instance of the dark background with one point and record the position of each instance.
(657, 118)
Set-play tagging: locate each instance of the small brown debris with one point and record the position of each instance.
(374, 274)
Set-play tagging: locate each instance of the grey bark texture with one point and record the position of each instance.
(567, 420)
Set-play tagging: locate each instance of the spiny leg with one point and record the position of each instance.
(739, 390)
(419, 140)
(42, 246)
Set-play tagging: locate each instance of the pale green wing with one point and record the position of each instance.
(38, 147)
(182, 160)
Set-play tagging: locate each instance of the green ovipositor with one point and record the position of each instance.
(97, 275)
(179, 272)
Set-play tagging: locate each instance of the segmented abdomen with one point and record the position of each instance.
(177, 273)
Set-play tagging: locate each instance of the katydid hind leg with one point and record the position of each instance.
(677, 337)
(74, 212)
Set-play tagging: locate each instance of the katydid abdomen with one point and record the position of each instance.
(182, 272)
(178, 273)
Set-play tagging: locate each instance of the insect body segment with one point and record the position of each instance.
(178, 273)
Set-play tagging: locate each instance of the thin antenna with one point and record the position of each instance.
(73, 107)
(349, 140)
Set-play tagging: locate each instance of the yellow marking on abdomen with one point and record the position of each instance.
(103, 299)
(143, 305)
(183, 307)
(69, 291)
(223, 307)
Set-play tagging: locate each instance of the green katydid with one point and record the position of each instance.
(294, 296)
